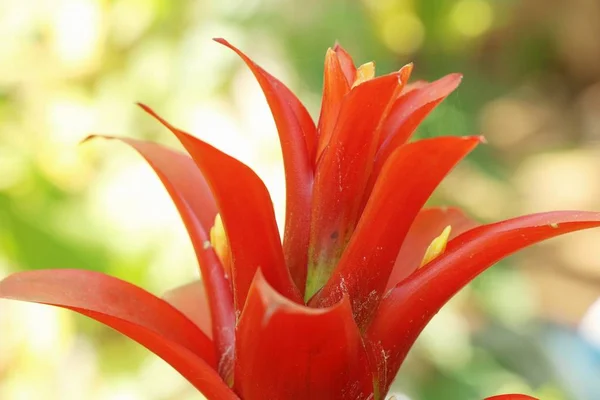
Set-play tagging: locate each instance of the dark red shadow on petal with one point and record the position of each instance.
(143, 317)
(288, 351)
(407, 308)
(404, 185)
(298, 138)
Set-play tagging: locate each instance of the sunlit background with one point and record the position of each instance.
(69, 68)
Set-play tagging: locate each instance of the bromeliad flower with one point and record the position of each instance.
(330, 312)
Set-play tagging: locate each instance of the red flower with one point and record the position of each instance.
(332, 312)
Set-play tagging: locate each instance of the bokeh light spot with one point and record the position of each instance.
(472, 17)
(403, 33)
(77, 30)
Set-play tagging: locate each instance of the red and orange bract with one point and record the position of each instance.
(332, 311)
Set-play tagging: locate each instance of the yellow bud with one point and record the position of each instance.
(437, 246)
(364, 73)
(218, 240)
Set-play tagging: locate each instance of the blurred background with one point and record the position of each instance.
(73, 67)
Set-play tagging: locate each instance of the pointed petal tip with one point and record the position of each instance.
(160, 119)
(341, 51)
(228, 44)
(443, 86)
(101, 136)
(88, 138)
(477, 139)
(404, 74)
(408, 67)
(93, 136)
(150, 111)
(144, 107)
(454, 79)
(474, 140)
(338, 48)
(222, 41)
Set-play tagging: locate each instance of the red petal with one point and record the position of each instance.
(288, 351)
(405, 311)
(511, 397)
(404, 185)
(409, 87)
(409, 111)
(335, 87)
(148, 320)
(247, 212)
(191, 299)
(428, 224)
(342, 174)
(196, 205)
(346, 63)
(298, 138)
